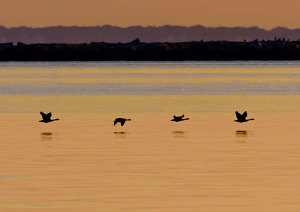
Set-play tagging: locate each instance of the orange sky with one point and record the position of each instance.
(38, 13)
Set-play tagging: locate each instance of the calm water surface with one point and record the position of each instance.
(210, 163)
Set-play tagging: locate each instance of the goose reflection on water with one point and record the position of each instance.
(46, 136)
(241, 136)
(120, 134)
(241, 133)
(178, 134)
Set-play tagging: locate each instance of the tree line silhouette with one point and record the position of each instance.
(277, 49)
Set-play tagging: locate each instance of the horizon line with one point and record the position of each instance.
(147, 26)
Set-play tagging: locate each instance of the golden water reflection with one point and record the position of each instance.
(152, 103)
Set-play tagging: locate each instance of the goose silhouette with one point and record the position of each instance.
(179, 118)
(47, 117)
(242, 117)
(121, 120)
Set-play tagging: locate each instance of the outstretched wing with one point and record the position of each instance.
(123, 122)
(46, 117)
(238, 115)
(115, 122)
(245, 114)
(49, 115)
(178, 117)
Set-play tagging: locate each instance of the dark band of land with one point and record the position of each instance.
(279, 49)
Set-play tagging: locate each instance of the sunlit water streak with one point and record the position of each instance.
(209, 163)
(107, 85)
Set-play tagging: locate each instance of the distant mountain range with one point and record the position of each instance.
(167, 33)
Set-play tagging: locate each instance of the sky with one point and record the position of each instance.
(40, 13)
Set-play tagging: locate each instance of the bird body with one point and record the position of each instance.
(242, 117)
(121, 120)
(179, 118)
(47, 117)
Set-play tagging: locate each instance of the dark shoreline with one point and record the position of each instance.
(279, 49)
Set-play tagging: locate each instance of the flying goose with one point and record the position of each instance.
(121, 120)
(241, 117)
(179, 118)
(47, 117)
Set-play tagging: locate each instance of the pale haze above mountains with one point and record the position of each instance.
(167, 33)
